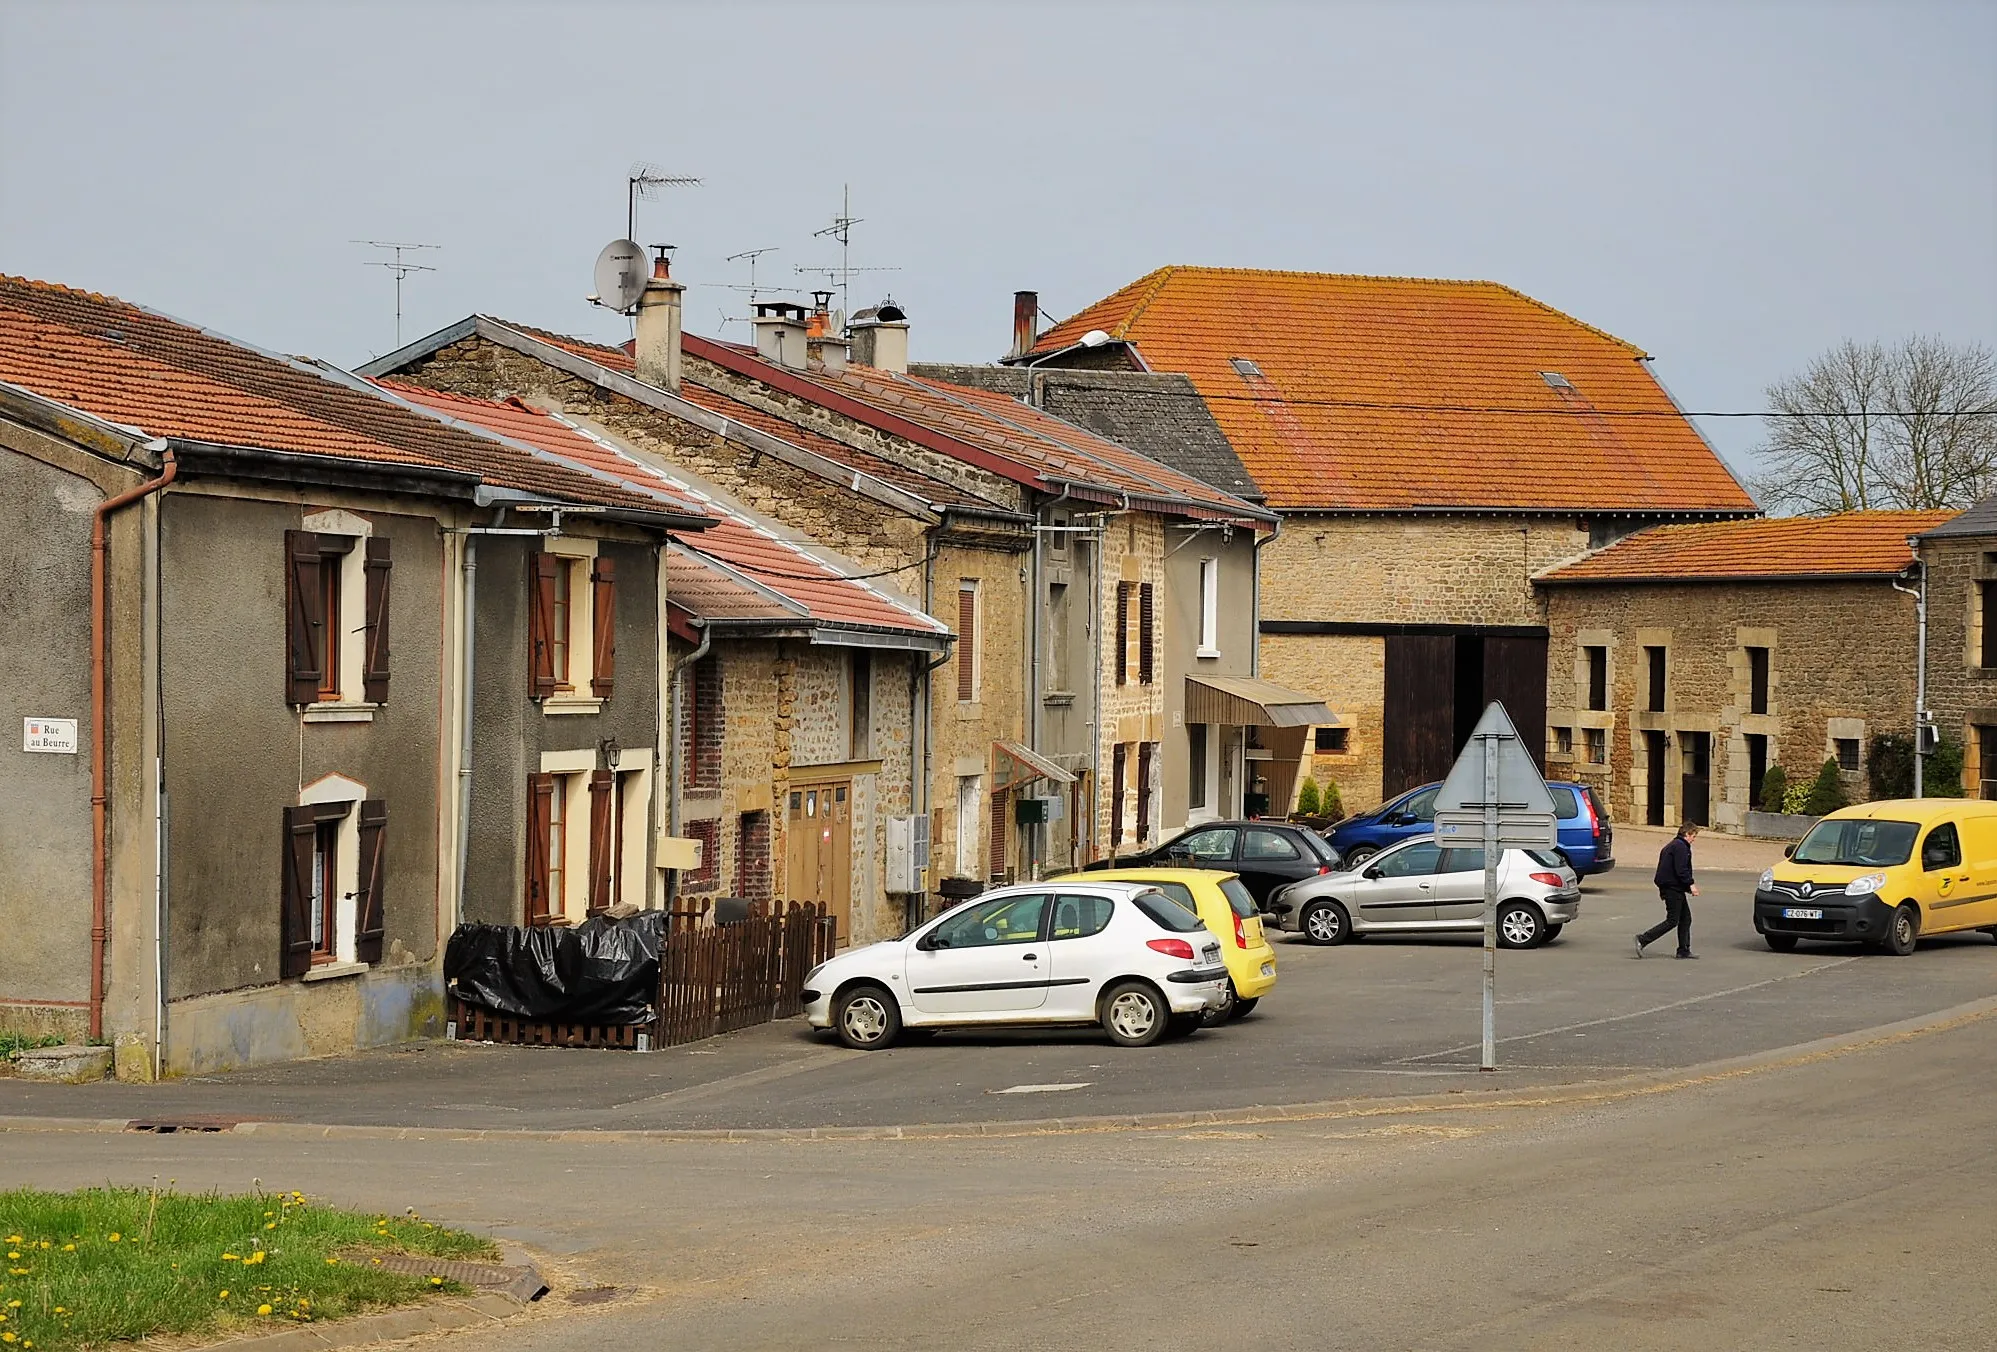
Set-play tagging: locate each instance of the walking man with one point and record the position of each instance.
(1675, 885)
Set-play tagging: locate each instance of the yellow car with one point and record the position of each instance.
(1227, 907)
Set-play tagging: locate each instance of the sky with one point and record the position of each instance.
(1733, 187)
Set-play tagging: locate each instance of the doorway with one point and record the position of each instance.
(1653, 765)
(818, 850)
(1695, 756)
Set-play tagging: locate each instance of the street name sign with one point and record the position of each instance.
(55, 736)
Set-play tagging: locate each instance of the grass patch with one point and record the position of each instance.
(104, 1265)
(13, 1044)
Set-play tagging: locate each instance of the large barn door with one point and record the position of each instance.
(1418, 722)
(1515, 675)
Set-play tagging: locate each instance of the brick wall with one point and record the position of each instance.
(754, 869)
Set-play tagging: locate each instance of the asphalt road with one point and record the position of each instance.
(1847, 1200)
(1378, 1017)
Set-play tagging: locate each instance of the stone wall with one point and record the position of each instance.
(1841, 665)
(1962, 692)
(1134, 552)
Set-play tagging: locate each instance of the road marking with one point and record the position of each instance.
(1638, 1014)
(1042, 1088)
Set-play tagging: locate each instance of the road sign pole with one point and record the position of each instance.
(1493, 850)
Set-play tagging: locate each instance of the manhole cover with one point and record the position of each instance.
(195, 1122)
(595, 1295)
(521, 1283)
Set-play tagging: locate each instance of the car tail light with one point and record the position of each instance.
(1240, 933)
(1171, 948)
(1549, 879)
(1324, 868)
(1594, 817)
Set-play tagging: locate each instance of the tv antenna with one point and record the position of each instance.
(398, 265)
(841, 229)
(752, 255)
(648, 180)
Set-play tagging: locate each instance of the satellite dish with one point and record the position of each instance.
(620, 274)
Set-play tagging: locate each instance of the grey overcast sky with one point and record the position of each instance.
(1732, 186)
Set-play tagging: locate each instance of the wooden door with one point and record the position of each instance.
(818, 850)
(1418, 722)
(1695, 754)
(1515, 676)
(1653, 762)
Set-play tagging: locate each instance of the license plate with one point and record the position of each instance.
(1802, 913)
(1268, 969)
(1211, 952)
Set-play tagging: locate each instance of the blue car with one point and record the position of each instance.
(1586, 838)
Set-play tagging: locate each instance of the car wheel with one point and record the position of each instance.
(1220, 1013)
(1553, 932)
(1243, 1008)
(1781, 943)
(1520, 925)
(866, 1018)
(1325, 922)
(1902, 931)
(1356, 860)
(1134, 1014)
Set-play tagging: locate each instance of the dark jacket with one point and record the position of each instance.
(1674, 865)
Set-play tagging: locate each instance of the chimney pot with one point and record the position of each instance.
(1025, 323)
(880, 338)
(781, 332)
(656, 347)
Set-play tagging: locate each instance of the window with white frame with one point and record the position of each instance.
(331, 919)
(1209, 608)
(571, 626)
(586, 836)
(337, 590)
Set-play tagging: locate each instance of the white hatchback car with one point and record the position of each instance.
(1418, 886)
(1123, 955)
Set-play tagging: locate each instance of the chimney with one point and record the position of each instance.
(1025, 323)
(822, 341)
(780, 329)
(657, 348)
(880, 338)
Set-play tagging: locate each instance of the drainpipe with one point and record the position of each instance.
(1096, 681)
(675, 763)
(1920, 596)
(468, 618)
(100, 581)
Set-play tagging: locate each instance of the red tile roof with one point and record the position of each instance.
(1852, 544)
(128, 365)
(1396, 393)
(755, 573)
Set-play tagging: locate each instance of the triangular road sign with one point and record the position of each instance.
(1521, 790)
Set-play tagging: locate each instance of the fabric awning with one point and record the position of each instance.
(1032, 765)
(1249, 701)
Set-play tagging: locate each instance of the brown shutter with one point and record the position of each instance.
(998, 834)
(967, 644)
(305, 626)
(1116, 795)
(1123, 633)
(541, 575)
(602, 837)
(1144, 763)
(540, 819)
(301, 839)
(603, 619)
(368, 925)
(1145, 643)
(374, 662)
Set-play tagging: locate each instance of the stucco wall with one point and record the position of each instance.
(1234, 551)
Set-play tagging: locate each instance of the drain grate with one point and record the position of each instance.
(167, 1126)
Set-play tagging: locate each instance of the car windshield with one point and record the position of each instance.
(1864, 843)
(1239, 898)
(1168, 913)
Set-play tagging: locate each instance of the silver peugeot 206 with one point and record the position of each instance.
(1421, 887)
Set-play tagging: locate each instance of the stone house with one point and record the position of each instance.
(1684, 661)
(793, 685)
(281, 847)
(1959, 564)
(1428, 446)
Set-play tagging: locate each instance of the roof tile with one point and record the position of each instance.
(1850, 544)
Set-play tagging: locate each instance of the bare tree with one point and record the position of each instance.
(1864, 425)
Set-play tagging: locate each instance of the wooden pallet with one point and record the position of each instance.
(474, 1023)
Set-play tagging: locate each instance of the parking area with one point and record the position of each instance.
(1374, 1017)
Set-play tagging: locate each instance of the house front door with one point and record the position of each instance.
(818, 849)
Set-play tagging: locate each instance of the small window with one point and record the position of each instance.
(1598, 677)
(860, 713)
(571, 626)
(1331, 741)
(325, 894)
(1566, 806)
(1169, 914)
(1847, 752)
(1757, 680)
(1263, 844)
(1757, 767)
(1563, 741)
(1209, 608)
(968, 641)
(1654, 660)
(1414, 861)
(1215, 842)
(562, 615)
(1244, 367)
(1596, 743)
(336, 603)
(1239, 899)
(1556, 381)
(1462, 861)
(1080, 917)
(1942, 849)
(1196, 765)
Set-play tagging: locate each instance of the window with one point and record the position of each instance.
(1596, 742)
(1655, 667)
(333, 878)
(1123, 590)
(1057, 539)
(1986, 612)
(1757, 768)
(1420, 807)
(331, 658)
(1757, 680)
(1413, 861)
(860, 719)
(585, 842)
(570, 627)
(1331, 741)
(1261, 843)
(1116, 782)
(969, 641)
(1986, 760)
(1009, 920)
(1563, 741)
(1058, 666)
(1168, 914)
(1209, 608)
(1196, 765)
(969, 794)
(325, 890)
(1566, 807)
(1942, 849)
(1598, 677)
(1146, 758)
(1239, 899)
(1847, 752)
(1460, 860)
(1215, 843)
(1080, 917)
(1147, 641)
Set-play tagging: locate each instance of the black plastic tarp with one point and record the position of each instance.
(602, 971)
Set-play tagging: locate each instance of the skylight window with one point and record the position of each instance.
(1244, 367)
(1556, 380)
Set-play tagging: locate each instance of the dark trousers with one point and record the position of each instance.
(1677, 915)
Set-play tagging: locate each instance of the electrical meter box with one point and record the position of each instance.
(908, 854)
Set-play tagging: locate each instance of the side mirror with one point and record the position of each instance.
(932, 941)
(1788, 851)
(1372, 873)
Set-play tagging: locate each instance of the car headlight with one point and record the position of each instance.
(1871, 882)
(812, 975)
(1767, 879)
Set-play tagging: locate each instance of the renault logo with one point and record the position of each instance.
(1805, 889)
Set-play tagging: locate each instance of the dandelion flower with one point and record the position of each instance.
(13, 1253)
(113, 1236)
(60, 1310)
(13, 1239)
(436, 1281)
(270, 1225)
(69, 1248)
(8, 1337)
(228, 1257)
(263, 1309)
(332, 1262)
(13, 1304)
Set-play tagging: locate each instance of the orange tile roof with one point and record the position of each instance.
(1851, 544)
(749, 558)
(128, 365)
(1396, 393)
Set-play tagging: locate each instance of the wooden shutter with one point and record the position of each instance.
(1144, 767)
(602, 837)
(999, 824)
(540, 819)
(368, 924)
(305, 622)
(603, 622)
(1123, 633)
(541, 575)
(374, 660)
(1116, 795)
(301, 840)
(1145, 644)
(967, 644)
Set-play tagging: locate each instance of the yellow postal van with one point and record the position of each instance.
(1886, 874)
